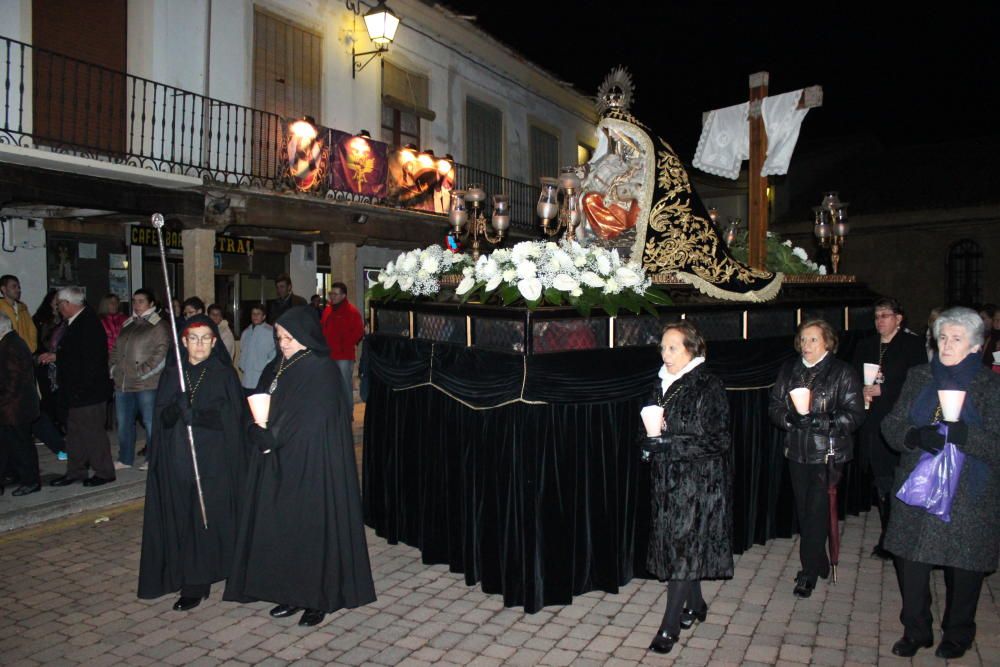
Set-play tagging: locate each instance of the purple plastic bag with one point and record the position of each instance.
(934, 481)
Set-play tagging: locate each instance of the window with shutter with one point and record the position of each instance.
(544, 154)
(483, 137)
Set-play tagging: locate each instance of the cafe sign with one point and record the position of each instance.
(142, 235)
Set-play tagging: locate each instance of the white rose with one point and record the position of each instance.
(603, 264)
(552, 265)
(591, 279)
(527, 269)
(612, 287)
(576, 292)
(533, 249)
(579, 261)
(422, 275)
(405, 283)
(409, 263)
(494, 282)
(627, 277)
(822, 270)
(430, 265)
(787, 243)
(467, 283)
(509, 275)
(390, 268)
(530, 289)
(800, 253)
(565, 283)
(389, 281)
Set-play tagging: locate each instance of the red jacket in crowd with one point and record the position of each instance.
(343, 330)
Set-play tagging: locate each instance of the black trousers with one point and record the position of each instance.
(195, 590)
(812, 508)
(87, 443)
(680, 594)
(17, 449)
(961, 599)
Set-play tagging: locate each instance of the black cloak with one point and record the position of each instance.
(176, 548)
(301, 535)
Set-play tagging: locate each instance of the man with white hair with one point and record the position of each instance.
(18, 408)
(84, 389)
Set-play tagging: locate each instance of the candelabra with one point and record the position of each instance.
(565, 214)
(831, 227)
(468, 219)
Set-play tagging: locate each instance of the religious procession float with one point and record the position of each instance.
(505, 387)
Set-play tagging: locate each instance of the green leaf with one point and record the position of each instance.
(509, 294)
(554, 296)
(657, 296)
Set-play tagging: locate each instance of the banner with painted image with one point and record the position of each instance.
(359, 166)
(306, 154)
(420, 181)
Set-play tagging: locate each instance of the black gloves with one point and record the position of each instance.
(926, 438)
(958, 433)
(800, 421)
(651, 446)
(261, 438)
(179, 409)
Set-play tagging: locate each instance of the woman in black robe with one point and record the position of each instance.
(301, 541)
(178, 553)
(691, 519)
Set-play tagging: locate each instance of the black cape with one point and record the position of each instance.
(176, 548)
(301, 536)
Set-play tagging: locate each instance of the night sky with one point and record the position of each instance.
(901, 75)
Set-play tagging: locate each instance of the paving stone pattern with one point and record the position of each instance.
(68, 597)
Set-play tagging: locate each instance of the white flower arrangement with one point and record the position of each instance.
(782, 255)
(557, 273)
(417, 273)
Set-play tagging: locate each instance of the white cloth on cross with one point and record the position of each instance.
(782, 121)
(725, 137)
(724, 142)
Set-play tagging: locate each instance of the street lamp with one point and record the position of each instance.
(381, 24)
(831, 226)
(467, 218)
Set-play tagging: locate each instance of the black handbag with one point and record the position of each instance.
(651, 447)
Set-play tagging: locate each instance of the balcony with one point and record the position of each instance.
(57, 104)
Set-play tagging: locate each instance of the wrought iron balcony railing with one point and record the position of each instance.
(61, 104)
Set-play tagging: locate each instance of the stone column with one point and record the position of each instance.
(344, 268)
(199, 263)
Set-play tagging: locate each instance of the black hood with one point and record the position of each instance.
(219, 351)
(302, 322)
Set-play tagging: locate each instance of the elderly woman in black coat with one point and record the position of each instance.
(968, 545)
(691, 482)
(817, 442)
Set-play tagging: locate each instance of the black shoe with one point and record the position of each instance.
(284, 610)
(96, 481)
(186, 603)
(880, 553)
(907, 648)
(804, 585)
(950, 650)
(663, 642)
(62, 481)
(311, 617)
(688, 617)
(26, 489)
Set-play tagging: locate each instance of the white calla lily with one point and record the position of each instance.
(467, 284)
(530, 289)
(565, 283)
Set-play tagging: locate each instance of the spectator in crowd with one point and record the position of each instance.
(691, 523)
(967, 546)
(175, 304)
(111, 318)
(50, 327)
(256, 348)
(285, 299)
(137, 360)
(992, 343)
(316, 301)
(929, 343)
(178, 552)
(301, 541)
(343, 329)
(192, 306)
(817, 442)
(894, 350)
(18, 408)
(225, 333)
(16, 311)
(84, 387)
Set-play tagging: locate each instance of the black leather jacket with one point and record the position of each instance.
(837, 410)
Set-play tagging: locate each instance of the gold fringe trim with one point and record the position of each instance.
(708, 289)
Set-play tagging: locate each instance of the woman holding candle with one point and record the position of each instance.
(691, 482)
(968, 545)
(817, 437)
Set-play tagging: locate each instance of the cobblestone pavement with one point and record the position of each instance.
(67, 592)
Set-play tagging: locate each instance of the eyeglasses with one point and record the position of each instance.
(200, 340)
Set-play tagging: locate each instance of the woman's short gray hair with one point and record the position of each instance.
(5, 325)
(74, 295)
(966, 318)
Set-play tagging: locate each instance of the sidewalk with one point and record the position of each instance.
(55, 502)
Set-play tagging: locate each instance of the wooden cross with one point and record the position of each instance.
(757, 229)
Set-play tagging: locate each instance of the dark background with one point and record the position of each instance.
(902, 75)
